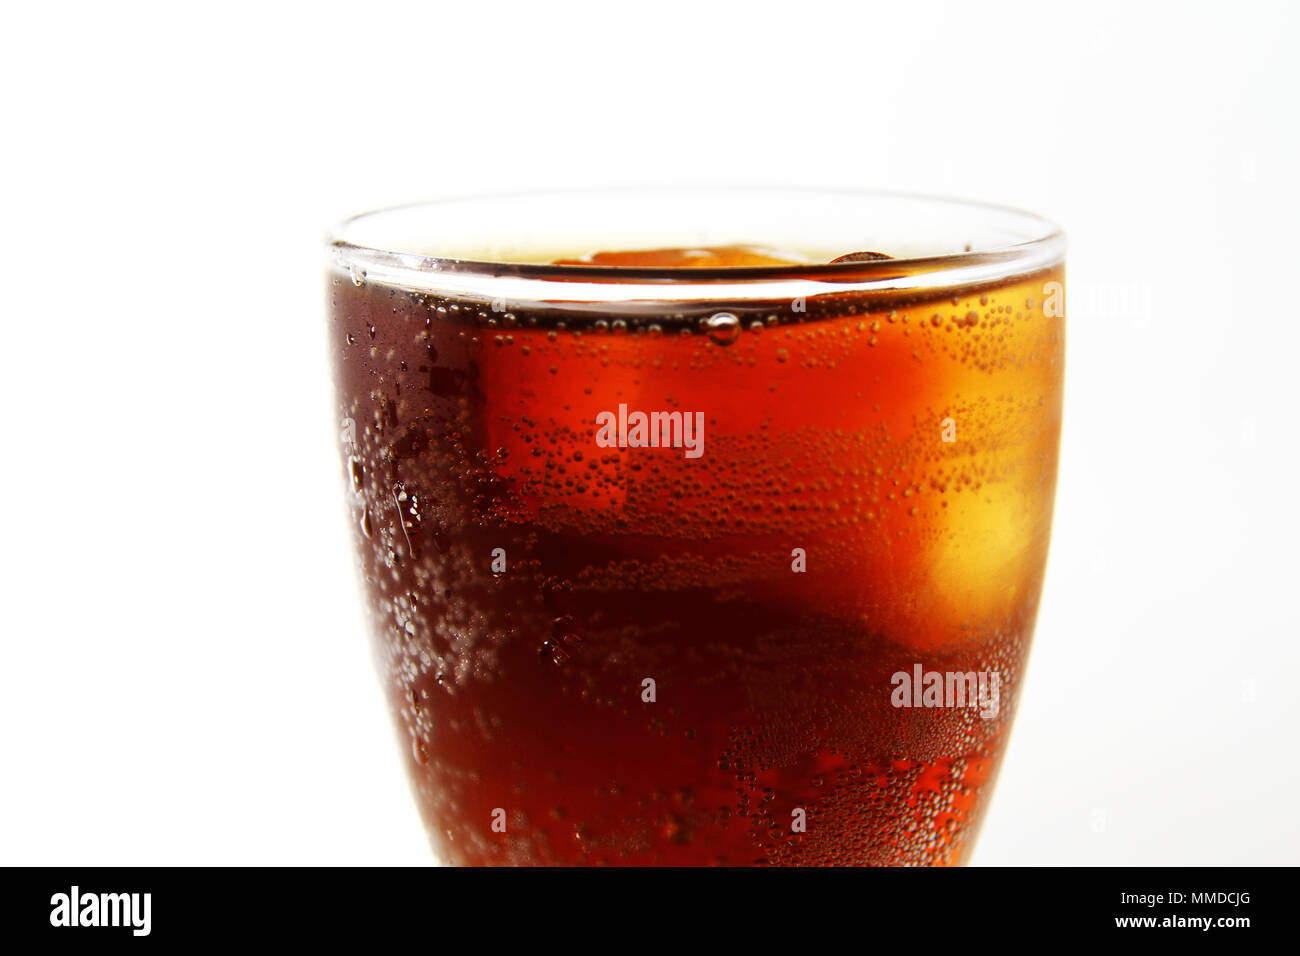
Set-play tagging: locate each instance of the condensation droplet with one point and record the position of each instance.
(564, 640)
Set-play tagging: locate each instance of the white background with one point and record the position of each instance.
(184, 677)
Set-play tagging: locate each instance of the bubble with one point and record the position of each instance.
(723, 328)
(562, 629)
(552, 653)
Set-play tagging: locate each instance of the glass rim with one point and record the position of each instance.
(1043, 248)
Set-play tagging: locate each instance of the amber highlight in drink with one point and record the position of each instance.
(625, 655)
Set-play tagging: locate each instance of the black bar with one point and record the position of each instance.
(436, 906)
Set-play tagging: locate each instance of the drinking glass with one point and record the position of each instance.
(681, 542)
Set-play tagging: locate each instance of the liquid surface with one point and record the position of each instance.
(873, 494)
(717, 257)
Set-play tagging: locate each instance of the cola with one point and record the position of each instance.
(727, 581)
